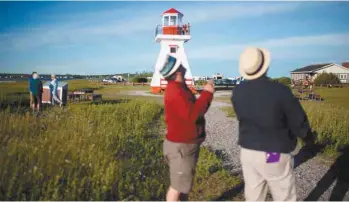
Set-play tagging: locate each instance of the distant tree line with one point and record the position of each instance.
(321, 79)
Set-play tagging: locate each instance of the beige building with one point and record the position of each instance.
(311, 71)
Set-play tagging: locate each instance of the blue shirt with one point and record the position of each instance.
(34, 86)
(54, 86)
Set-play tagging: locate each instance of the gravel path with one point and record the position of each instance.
(222, 136)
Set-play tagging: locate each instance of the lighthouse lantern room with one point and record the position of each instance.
(171, 34)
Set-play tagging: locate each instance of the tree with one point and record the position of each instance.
(283, 80)
(140, 80)
(144, 74)
(326, 78)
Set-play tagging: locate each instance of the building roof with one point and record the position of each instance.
(172, 10)
(311, 68)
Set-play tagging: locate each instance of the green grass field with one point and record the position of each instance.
(91, 151)
(336, 97)
(18, 92)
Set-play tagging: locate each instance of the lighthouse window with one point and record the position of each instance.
(166, 19)
(173, 49)
(173, 21)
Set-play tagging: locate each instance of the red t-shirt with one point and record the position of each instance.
(184, 114)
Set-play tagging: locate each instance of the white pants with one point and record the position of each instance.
(258, 174)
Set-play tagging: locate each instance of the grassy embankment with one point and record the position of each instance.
(94, 152)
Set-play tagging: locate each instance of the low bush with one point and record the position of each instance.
(326, 78)
(283, 80)
(140, 80)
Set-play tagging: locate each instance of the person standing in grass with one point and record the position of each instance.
(184, 117)
(54, 92)
(34, 88)
(270, 120)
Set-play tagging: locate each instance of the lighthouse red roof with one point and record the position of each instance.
(172, 10)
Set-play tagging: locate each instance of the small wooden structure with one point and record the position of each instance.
(85, 94)
(307, 94)
(62, 92)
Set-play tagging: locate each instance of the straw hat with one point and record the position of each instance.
(254, 62)
(170, 66)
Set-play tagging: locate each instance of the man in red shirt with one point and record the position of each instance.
(184, 116)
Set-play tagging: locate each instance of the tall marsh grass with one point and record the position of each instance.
(331, 123)
(87, 152)
(94, 152)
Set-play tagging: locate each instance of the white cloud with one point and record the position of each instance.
(230, 11)
(98, 65)
(78, 30)
(68, 34)
(285, 48)
(327, 40)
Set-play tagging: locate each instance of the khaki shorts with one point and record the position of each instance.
(34, 99)
(182, 159)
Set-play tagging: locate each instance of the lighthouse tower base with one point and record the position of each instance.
(163, 84)
(158, 83)
(159, 90)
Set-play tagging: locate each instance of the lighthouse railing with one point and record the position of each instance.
(158, 30)
(179, 31)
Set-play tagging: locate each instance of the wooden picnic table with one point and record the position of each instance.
(84, 95)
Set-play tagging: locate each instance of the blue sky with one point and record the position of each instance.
(117, 37)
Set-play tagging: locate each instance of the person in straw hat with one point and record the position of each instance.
(270, 120)
(184, 116)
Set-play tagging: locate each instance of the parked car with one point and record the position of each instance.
(111, 80)
(228, 82)
(218, 82)
(224, 82)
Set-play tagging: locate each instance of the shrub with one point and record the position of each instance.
(283, 80)
(140, 80)
(326, 78)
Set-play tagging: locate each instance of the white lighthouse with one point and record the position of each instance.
(171, 34)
